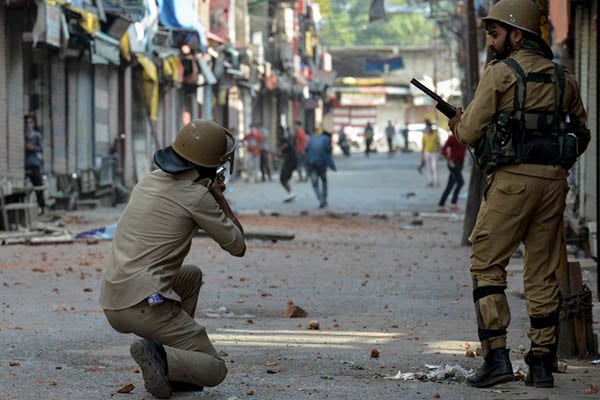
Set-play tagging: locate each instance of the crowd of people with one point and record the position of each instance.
(296, 151)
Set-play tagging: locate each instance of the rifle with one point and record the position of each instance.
(221, 173)
(445, 108)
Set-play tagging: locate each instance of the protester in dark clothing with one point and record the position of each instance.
(343, 142)
(290, 162)
(318, 159)
(33, 161)
(454, 151)
(265, 169)
(369, 133)
(390, 132)
(405, 137)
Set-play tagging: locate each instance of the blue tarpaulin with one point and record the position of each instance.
(182, 14)
(378, 64)
(104, 233)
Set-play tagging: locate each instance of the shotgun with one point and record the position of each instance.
(445, 108)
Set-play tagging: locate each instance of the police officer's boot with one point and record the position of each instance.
(540, 369)
(496, 369)
(152, 359)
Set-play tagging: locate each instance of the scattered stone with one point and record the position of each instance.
(294, 311)
(314, 325)
(126, 389)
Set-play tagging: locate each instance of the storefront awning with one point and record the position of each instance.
(50, 25)
(182, 14)
(150, 81)
(89, 21)
(105, 49)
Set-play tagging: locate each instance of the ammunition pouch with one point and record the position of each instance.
(534, 137)
(508, 141)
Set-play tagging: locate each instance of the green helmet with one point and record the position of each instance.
(521, 14)
(200, 143)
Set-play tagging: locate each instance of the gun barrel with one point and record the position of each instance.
(426, 90)
(221, 173)
(446, 108)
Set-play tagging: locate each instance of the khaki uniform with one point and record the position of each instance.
(153, 236)
(523, 203)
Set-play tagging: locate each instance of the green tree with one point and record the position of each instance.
(347, 24)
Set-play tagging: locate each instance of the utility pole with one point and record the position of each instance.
(476, 183)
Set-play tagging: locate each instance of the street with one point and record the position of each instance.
(378, 184)
(381, 274)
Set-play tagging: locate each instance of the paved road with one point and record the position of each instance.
(360, 185)
(371, 282)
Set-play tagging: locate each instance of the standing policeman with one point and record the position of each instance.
(528, 126)
(146, 288)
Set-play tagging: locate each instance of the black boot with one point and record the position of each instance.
(540, 369)
(496, 369)
(185, 387)
(151, 357)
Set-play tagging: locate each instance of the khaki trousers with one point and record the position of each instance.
(518, 208)
(191, 357)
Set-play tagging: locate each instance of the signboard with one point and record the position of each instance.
(53, 25)
(362, 99)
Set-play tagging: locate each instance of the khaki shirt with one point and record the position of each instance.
(154, 234)
(496, 91)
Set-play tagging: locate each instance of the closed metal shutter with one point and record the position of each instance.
(591, 158)
(169, 115)
(15, 145)
(106, 102)
(80, 154)
(3, 97)
(58, 102)
(586, 69)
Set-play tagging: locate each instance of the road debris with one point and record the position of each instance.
(435, 373)
(127, 388)
(314, 325)
(294, 311)
(591, 388)
(223, 312)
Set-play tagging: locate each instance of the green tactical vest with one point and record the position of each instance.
(532, 137)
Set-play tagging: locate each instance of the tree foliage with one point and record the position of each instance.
(347, 24)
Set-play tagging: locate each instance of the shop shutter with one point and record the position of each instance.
(80, 141)
(58, 109)
(15, 145)
(591, 155)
